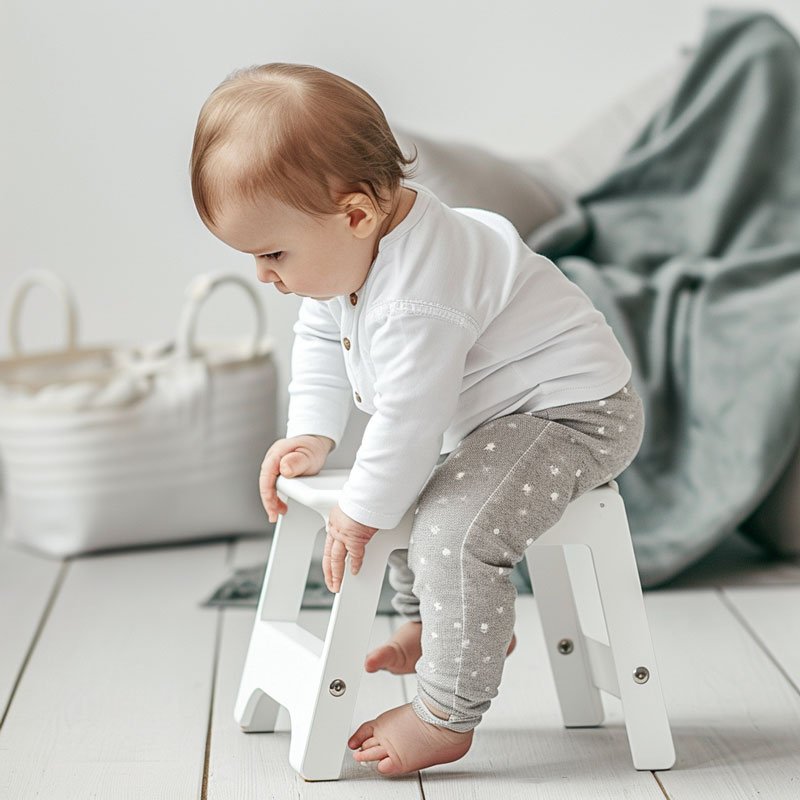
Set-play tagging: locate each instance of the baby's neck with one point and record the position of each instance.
(406, 201)
(401, 208)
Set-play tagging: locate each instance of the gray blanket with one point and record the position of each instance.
(691, 249)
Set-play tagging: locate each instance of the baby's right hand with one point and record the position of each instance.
(297, 455)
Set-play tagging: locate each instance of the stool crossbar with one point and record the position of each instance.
(317, 680)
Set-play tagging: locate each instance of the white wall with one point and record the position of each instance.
(100, 98)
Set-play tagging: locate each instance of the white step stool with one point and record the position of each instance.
(317, 681)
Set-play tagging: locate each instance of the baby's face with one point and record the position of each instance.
(299, 253)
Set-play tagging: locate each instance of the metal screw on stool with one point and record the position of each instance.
(565, 646)
(337, 687)
(641, 674)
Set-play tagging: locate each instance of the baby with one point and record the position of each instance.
(497, 392)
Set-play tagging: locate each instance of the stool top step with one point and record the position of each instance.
(320, 491)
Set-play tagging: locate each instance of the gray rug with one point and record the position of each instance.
(243, 587)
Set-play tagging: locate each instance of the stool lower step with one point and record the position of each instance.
(601, 658)
(285, 657)
(286, 666)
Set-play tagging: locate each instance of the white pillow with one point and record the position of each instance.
(467, 175)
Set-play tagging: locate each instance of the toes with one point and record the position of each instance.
(372, 741)
(375, 659)
(363, 732)
(375, 753)
(372, 658)
(388, 767)
(383, 656)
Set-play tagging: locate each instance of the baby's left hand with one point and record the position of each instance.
(345, 535)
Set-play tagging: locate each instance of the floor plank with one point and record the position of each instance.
(772, 614)
(115, 698)
(27, 583)
(120, 665)
(734, 717)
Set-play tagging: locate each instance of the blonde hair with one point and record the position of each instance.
(296, 132)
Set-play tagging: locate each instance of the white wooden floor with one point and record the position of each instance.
(116, 683)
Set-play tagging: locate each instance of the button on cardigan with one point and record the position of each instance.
(457, 322)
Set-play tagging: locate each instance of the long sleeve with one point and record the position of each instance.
(419, 358)
(320, 395)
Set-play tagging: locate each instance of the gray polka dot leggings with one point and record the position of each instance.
(506, 483)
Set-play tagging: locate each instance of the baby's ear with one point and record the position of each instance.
(360, 212)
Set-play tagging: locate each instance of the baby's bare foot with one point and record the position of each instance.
(401, 653)
(402, 742)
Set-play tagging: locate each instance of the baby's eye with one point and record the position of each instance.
(273, 256)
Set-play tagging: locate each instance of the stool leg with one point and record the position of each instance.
(281, 599)
(289, 562)
(620, 589)
(579, 698)
(256, 711)
(320, 733)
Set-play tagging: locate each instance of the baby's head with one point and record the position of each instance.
(300, 168)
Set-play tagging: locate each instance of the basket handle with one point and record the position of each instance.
(197, 293)
(19, 291)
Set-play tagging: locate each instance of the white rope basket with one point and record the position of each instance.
(110, 447)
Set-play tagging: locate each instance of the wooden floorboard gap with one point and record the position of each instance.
(758, 640)
(39, 628)
(207, 757)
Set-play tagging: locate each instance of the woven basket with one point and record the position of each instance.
(111, 447)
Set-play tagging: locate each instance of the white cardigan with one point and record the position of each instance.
(457, 322)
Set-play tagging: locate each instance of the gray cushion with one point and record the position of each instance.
(775, 524)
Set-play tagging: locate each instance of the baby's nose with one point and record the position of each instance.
(266, 277)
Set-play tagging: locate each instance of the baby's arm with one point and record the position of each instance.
(319, 404)
(419, 352)
(319, 390)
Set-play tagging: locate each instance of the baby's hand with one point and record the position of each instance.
(297, 455)
(345, 535)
